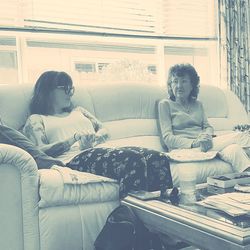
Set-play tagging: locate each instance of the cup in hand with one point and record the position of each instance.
(187, 182)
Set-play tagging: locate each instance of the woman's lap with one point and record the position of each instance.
(134, 167)
(222, 141)
(158, 169)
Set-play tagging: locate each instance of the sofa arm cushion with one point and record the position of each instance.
(18, 166)
(18, 157)
(64, 186)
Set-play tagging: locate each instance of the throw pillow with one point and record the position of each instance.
(13, 137)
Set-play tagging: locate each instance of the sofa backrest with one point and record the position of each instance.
(223, 108)
(14, 104)
(127, 109)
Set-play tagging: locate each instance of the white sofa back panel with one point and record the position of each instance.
(82, 97)
(131, 127)
(14, 102)
(212, 98)
(223, 108)
(125, 101)
(118, 102)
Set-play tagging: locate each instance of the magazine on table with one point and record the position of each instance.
(234, 204)
(242, 188)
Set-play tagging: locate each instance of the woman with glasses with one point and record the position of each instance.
(57, 127)
(184, 124)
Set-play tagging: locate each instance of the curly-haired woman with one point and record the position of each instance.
(184, 124)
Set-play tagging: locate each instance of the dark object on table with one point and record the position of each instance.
(171, 194)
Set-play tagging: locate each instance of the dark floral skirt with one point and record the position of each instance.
(135, 168)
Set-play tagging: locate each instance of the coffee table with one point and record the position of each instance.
(199, 226)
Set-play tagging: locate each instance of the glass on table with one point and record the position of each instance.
(187, 183)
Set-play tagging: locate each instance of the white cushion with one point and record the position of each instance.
(214, 101)
(125, 101)
(202, 169)
(55, 191)
(151, 142)
(131, 127)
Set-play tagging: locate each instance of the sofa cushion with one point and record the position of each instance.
(131, 127)
(151, 142)
(202, 169)
(125, 100)
(14, 103)
(64, 186)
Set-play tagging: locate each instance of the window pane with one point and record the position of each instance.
(8, 61)
(203, 56)
(89, 61)
(90, 57)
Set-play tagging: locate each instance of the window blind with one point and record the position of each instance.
(174, 18)
(196, 18)
(118, 16)
(10, 13)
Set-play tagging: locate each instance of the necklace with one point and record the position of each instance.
(186, 108)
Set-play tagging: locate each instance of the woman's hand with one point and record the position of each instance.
(87, 139)
(204, 141)
(101, 136)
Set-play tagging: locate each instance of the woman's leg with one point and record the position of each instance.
(158, 169)
(236, 156)
(126, 166)
(240, 138)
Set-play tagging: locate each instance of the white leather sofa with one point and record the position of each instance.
(40, 210)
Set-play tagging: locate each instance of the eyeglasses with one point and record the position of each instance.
(69, 90)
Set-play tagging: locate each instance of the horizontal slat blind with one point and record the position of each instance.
(10, 14)
(177, 18)
(194, 18)
(119, 15)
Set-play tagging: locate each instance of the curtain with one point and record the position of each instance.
(235, 39)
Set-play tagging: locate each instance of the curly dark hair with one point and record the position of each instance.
(181, 70)
(41, 102)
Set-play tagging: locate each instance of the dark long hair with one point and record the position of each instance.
(181, 70)
(41, 102)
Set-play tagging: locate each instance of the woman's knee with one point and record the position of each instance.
(232, 149)
(232, 152)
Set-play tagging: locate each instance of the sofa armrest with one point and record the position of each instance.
(19, 199)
